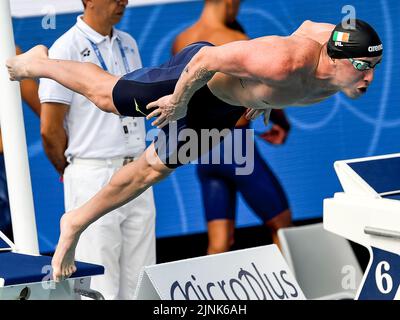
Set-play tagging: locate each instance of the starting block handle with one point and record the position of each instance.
(382, 233)
(89, 293)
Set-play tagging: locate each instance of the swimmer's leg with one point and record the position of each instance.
(220, 235)
(126, 184)
(127, 96)
(84, 78)
(281, 220)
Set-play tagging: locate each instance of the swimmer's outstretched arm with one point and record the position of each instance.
(269, 60)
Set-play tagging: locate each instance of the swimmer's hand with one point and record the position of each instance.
(166, 110)
(252, 114)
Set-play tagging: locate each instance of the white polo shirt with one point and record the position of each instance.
(91, 132)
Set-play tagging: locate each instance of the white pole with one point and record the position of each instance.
(15, 150)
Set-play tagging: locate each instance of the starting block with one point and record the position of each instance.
(368, 213)
(27, 277)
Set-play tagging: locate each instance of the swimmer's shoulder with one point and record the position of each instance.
(317, 31)
(295, 54)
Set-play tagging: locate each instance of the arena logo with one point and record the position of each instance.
(177, 146)
(375, 48)
(248, 285)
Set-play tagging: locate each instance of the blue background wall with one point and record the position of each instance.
(338, 128)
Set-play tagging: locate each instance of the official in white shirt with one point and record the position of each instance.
(87, 146)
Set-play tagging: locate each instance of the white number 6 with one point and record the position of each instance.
(381, 276)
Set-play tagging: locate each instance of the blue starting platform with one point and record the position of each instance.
(28, 277)
(18, 268)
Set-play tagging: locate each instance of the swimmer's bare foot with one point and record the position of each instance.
(19, 67)
(63, 261)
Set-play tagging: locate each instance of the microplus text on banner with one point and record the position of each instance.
(252, 274)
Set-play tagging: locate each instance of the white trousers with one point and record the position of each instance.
(123, 241)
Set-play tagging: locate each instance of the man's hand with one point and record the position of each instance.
(276, 135)
(166, 111)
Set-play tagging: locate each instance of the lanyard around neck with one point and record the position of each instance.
(101, 59)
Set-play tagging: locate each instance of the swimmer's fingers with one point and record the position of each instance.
(160, 120)
(153, 104)
(153, 114)
(253, 113)
(267, 114)
(157, 112)
(249, 113)
(162, 124)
